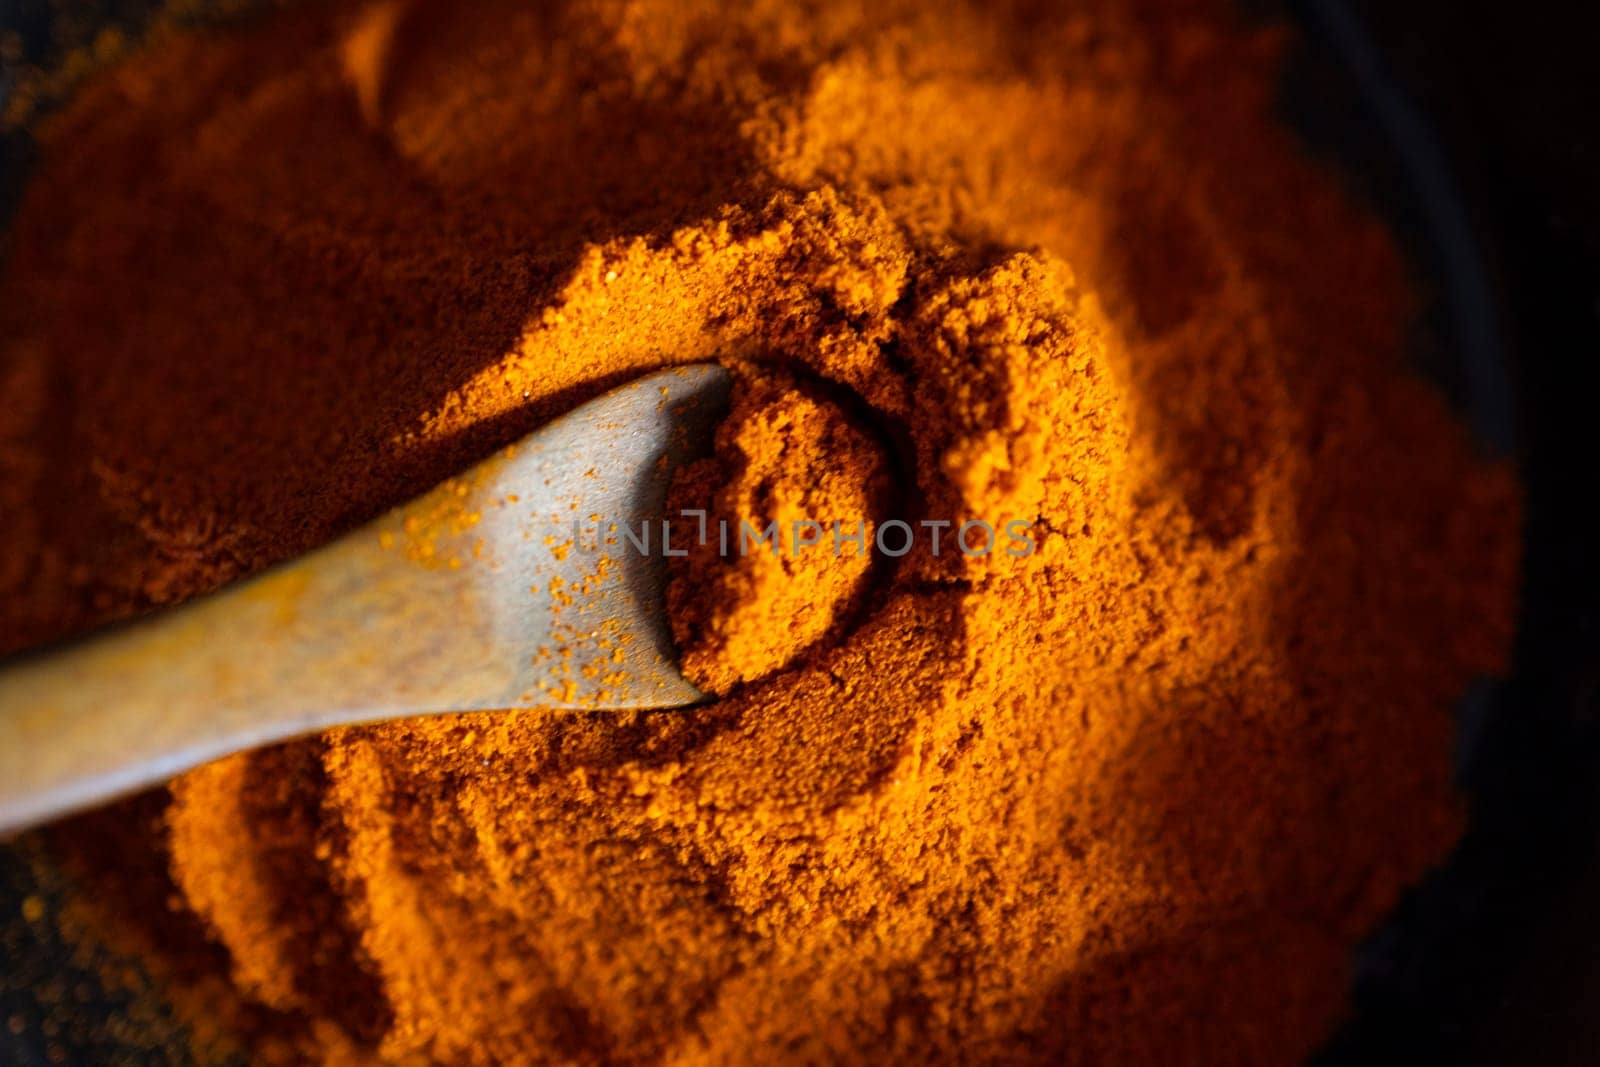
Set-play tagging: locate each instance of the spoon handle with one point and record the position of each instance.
(336, 636)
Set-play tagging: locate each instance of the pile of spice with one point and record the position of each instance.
(785, 517)
(1131, 797)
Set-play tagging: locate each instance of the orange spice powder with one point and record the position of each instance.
(1132, 797)
(779, 528)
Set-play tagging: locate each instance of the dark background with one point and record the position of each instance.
(1497, 959)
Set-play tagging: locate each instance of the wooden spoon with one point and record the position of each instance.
(495, 590)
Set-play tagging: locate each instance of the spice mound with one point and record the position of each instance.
(780, 556)
(1131, 793)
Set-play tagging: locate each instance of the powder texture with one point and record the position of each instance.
(1130, 798)
(750, 596)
